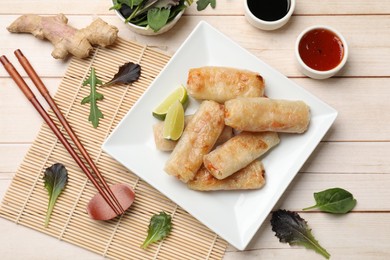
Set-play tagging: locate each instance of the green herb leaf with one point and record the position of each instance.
(130, 3)
(292, 229)
(166, 3)
(147, 5)
(116, 6)
(127, 73)
(202, 4)
(157, 18)
(335, 200)
(159, 227)
(134, 2)
(152, 13)
(94, 113)
(55, 178)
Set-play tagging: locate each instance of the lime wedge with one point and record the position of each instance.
(174, 121)
(179, 94)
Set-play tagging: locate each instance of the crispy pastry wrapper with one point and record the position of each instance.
(167, 145)
(223, 83)
(198, 139)
(250, 177)
(238, 152)
(264, 114)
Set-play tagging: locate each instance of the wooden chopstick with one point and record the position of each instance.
(105, 191)
(45, 93)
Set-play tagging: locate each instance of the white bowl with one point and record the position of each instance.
(318, 74)
(267, 25)
(147, 30)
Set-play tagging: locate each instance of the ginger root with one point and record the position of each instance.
(65, 38)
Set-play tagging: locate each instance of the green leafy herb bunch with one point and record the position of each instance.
(155, 13)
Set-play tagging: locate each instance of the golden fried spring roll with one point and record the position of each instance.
(198, 139)
(222, 83)
(264, 114)
(250, 177)
(167, 145)
(238, 152)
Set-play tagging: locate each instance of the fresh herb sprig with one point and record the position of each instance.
(127, 73)
(155, 13)
(159, 227)
(55, 179)
(94, 112)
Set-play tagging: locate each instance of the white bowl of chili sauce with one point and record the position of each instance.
(321, 52)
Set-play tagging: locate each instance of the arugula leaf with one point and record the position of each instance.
(157, 18)
(94, 114)
(335, 200)
(292, 229)
(127, 73)
(55, 178)
(159, 227)
(202, 4)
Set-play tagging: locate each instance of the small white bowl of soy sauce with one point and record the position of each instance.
(269, 14)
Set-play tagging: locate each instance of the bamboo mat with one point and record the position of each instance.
(26, 200)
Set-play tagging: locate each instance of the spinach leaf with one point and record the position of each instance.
(292, 229)
(159, 227)
(94, 112)
(175, 11)
(335, 200)
(55, 178)
(157, 18)
(202, 4)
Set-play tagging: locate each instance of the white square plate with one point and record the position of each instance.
(237, 215)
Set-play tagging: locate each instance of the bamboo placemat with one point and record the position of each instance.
(26, 200)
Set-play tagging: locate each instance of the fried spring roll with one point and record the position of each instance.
(250, 177)
(167, 145)
(264, 114)
(238, 152)
(198, 139)
(222, 83)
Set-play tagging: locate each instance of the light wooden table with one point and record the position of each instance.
(355, 154)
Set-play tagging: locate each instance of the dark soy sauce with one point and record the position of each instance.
(269, 10)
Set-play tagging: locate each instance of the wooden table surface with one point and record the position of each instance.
(354, 155)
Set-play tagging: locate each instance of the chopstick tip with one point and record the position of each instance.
(4, 59)
(18, 52)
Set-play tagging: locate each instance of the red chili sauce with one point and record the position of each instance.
(321, 49)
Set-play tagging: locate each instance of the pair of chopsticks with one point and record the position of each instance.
(99, 181)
